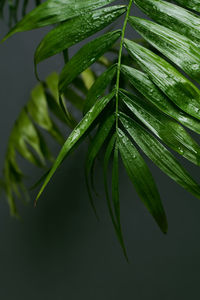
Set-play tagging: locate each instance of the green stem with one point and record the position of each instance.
(119, 61)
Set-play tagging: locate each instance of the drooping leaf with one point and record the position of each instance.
(25, 134)
(94, 149)
(107, 156)
(116, 225)
(86, 56)
(38, 110)
(176, 86)
(99, 87)
(55, 11)
(168, 130)
(27, 139)
(172, 16)
(160, 155)
(146, 87)
(142, 180)
(53, 98)
(115, 184)
(75, 30)
(88, 76)
(76, 135)
(178, 48)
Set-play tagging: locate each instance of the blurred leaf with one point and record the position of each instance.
(99, 87)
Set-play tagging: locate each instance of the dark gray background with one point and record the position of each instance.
(59, 250)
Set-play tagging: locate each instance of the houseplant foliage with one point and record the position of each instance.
(15, 8)
(141, 105)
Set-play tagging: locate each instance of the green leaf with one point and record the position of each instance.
(177, 87)
(88, 76)
(168, 130)
(116, 225)
(172, 16)
(53, 98)
(85, 57)
(107, 156)
(192, 4)
(147, 88)
(94, 148)
(178, 48)
(38, 110)
(76, 135)
(75, 30)
(55, 11)
(115, 184)
(160, 155)
(99, 87)
(25, 134)
(142, 180)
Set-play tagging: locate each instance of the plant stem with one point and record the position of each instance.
(119, 61)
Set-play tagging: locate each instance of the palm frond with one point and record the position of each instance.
(163, 70)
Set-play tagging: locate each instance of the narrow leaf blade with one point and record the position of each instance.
(173, 16)
(160, 155)
(99, 87)
(178, 48)
(94, 149)
(75, 30)
(177, 87)
(168, 130)
(55, 11)
(76, 135)
(142, 180)
(85, 57)
(150, 91)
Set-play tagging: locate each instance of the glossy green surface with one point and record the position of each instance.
(142, 179)
(55, 11)
(177, 87)
(172, 16)
(168, 130)
(169, 95)
(160, 155)
(151, 92)
(75, 30)
(76, 135)
(179, 49)
(85, 57)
